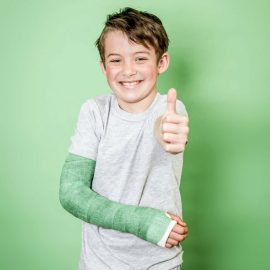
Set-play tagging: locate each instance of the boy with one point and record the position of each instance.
(122, 172)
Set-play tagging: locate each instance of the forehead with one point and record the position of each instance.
(117, 42)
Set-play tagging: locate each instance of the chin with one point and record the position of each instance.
(131, 99)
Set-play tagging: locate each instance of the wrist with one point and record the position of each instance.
(163, 240)
(159, 226)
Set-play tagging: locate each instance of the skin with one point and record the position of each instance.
(132, 71)
(171, 129)
(178, 233)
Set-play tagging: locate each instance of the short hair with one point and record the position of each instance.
(140, 27)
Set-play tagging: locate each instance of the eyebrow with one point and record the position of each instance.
(117, 54)
(113, 54)
(143, 52)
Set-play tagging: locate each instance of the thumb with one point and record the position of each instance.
(171, 101)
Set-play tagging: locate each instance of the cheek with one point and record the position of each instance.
(151, 72)
(111, 74)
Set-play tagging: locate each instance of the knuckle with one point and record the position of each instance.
(181, 148)
(182, 238)
(178, 118)
(175, 242)
(167, 147)
(164, 127)
(166, 136)
(185, 119)
(184, 130)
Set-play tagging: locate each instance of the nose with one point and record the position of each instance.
(129, 69)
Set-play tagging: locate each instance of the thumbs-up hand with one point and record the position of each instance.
(171, 129)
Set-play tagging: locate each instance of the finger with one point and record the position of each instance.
(178, 229)
(171, 101)
(174, 128)
(177, 218)
(172, 118)
(170, 128)
(175, 138)
(176, 236)
(176, 119)
(180, 238)
(184, 121)
(172, 242)
(184, 238)
(168, 246)
(170, 138)
(174, 148)
(183, 231)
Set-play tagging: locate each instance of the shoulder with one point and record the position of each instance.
(181, 108)
(96, 110)
(97, 102)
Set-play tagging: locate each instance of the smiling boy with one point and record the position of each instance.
(131, 70)
(122, 173)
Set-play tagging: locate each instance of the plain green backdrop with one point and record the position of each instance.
(220, 68)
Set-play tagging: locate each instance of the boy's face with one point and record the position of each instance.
(131, 70)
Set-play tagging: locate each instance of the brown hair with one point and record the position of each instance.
(140, 27)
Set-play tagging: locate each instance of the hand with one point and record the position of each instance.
(171, 129)
(178, 233)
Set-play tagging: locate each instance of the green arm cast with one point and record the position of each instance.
(80, 200)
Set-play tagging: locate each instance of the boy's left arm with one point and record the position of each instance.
(171, 129)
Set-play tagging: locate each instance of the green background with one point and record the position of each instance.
(220, 67)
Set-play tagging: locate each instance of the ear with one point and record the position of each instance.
(102, 66)
(164, 62)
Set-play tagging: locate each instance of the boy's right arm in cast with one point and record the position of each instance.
(80, 200)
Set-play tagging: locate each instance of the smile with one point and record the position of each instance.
(130, 84)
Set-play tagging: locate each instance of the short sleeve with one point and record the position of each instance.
(85, 140)
(180, 108)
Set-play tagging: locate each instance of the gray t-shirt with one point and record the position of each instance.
(131, 168)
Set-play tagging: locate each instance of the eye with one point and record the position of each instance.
(115, 60)
(141, 59)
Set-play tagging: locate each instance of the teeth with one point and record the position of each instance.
(130, 83)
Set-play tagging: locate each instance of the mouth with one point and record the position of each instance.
(130, 84)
